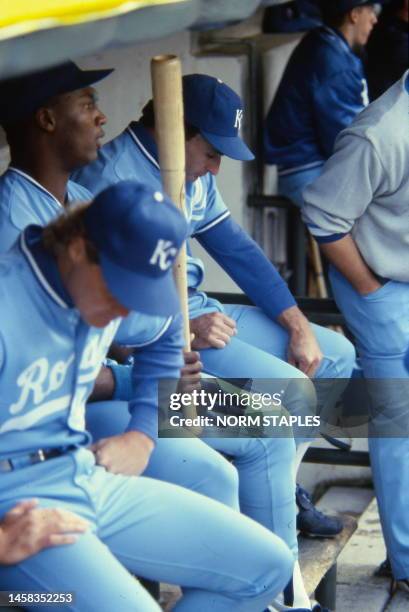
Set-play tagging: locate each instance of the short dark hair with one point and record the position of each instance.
(332, 18)
(148, 120)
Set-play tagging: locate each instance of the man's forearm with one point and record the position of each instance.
(104, 386)
(293, 320)
(345, 256)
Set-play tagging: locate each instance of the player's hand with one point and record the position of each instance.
(212, 330)
(26, 529)
(127, 453)
(303, 349)
(190, 373)
(304, 352)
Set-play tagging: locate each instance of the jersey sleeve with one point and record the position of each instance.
(241, 257)
(161, 360)
(138, 330)
(356, 170)
(205, 204)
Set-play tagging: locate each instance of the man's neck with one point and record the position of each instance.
(347, 32)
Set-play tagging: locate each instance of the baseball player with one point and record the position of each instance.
(62, 291)
(255, 342)
(358, 209)
(322, 89)
(53, 125)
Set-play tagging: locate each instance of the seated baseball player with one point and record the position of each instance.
(53, 125)
(62, 128)
(321, 91)
(26, 529)
(64, 289)
(273, 340)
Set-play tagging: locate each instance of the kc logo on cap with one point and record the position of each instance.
(138, 232)
(164, 254)
(239, 117)
(216, 111)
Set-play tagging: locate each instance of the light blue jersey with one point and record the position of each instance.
(43, 388)
(133, 156)
(24, 201)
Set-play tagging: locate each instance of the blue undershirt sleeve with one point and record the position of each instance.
(245, 262)
(161, 359)
(123, 381)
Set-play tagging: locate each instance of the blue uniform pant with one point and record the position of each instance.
(259, 351)
(223, 560)
(188, 462)
(380, 323)
(261, 481)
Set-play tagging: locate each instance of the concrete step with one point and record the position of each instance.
(358, 590)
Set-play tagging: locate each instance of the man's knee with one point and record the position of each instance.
(346, 355)
(281, 569)
(339, 355)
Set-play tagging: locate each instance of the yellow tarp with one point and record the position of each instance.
(19, 17)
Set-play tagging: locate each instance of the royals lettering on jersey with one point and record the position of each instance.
(50, 360)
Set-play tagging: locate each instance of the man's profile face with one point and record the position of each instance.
(78, 127)
(84, 281)
(201, 158)
(366, 18)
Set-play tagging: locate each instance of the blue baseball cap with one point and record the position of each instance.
(138, 232)
(22, 96)
(338, 7)
(216, 111)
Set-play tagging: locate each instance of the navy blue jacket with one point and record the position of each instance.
(321, 91)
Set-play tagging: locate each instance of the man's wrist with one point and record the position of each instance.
(368, 286)
(139, 437)
(293, 320)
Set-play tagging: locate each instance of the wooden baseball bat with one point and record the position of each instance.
(170, 136)
(166, 73)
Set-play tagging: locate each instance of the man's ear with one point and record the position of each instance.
(45, 119)
(76, 250)
(354, 14)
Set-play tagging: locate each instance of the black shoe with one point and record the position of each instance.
(384, 570)
(313, 523)
(343, 444)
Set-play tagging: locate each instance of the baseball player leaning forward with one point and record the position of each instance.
(271, 341)
(62, 127)
(63, 289)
